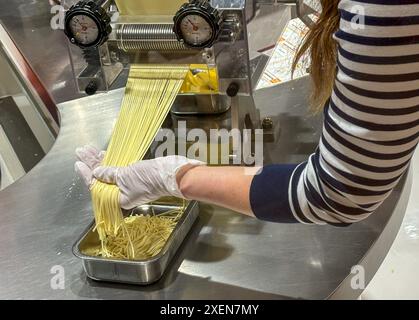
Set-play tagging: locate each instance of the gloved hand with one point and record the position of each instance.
(139, 183)
(89, 158)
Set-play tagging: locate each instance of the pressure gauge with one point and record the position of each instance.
(87, 24)
(84, 29)
(197, 24)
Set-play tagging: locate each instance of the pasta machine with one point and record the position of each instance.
(106, 36)
(210, 36)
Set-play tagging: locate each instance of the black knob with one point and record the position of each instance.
(233, 89)
(91, 88)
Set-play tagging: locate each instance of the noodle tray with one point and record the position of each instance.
(140, 272)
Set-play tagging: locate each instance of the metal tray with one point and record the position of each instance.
(136, 271)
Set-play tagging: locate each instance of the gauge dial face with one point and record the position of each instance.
(195, 29)
(84, 29)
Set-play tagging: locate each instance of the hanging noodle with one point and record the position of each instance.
(149, 95)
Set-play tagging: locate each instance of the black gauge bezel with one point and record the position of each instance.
(102, 34)
(206, 16)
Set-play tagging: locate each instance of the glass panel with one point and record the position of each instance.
(27, 131)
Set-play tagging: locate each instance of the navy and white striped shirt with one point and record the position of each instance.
(371, 125)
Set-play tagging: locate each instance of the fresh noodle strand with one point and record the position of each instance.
(149, 95)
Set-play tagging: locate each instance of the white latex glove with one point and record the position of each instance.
(140, 183)
(89, 158)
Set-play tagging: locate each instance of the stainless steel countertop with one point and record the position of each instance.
(226, 256)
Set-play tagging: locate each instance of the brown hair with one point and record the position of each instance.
(322, 48)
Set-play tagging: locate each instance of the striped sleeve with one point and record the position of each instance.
(371, 123)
